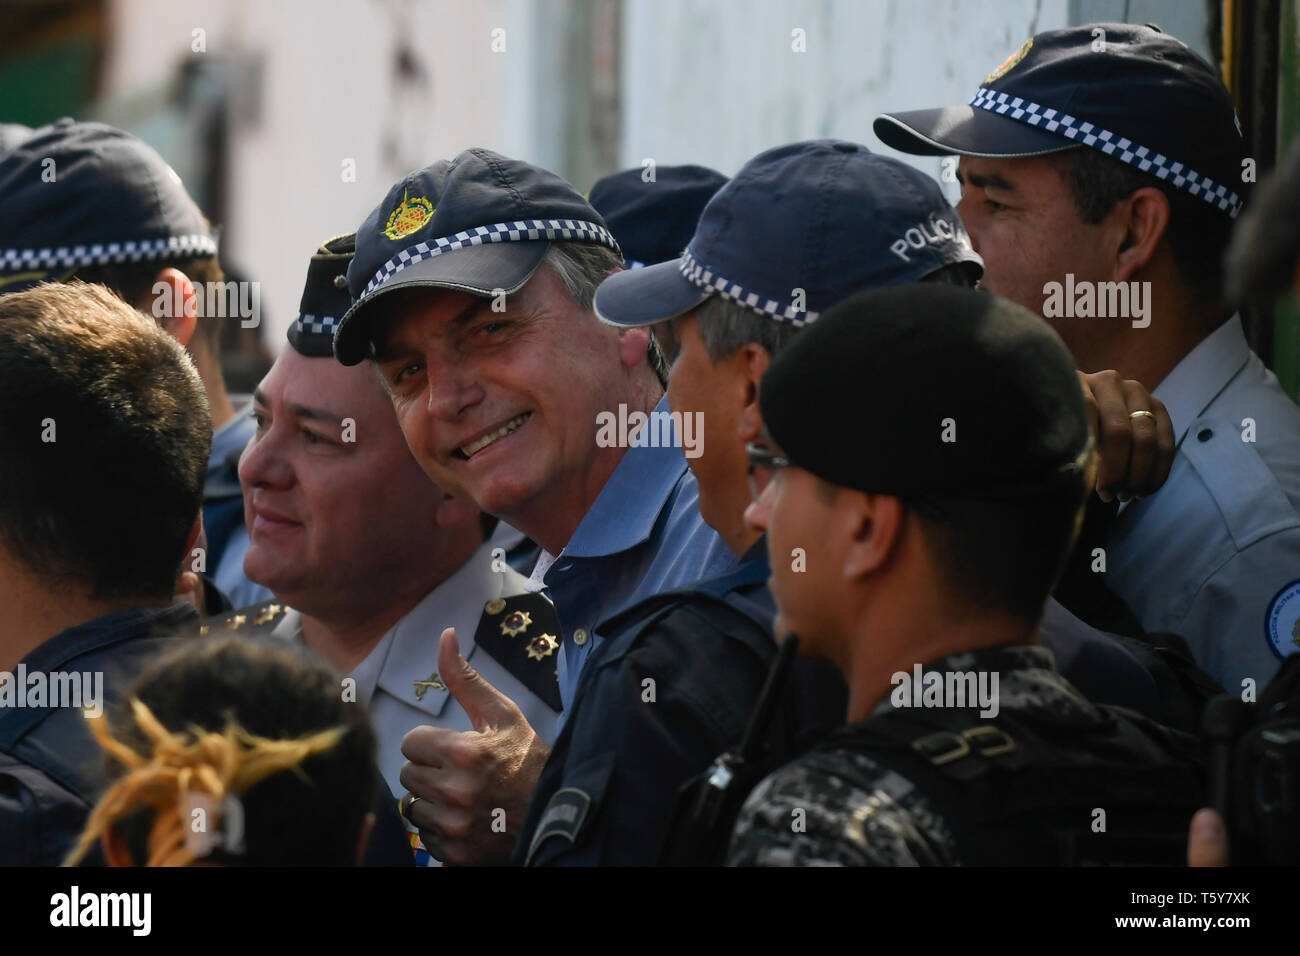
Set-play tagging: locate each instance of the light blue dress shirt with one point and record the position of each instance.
(642, 535)
(227, 444)
(1214, 555)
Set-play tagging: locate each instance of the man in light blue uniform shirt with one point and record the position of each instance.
(472, 287)
(1102, 170)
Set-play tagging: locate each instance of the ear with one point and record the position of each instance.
(115, 851)
(454, 511)
(1144, 219)
(633, 345)
(367, 825)
(755, 360)
(874, 525)
(172, 303)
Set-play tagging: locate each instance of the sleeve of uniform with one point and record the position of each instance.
(806, 816)
(648, 720)
(1245, 617)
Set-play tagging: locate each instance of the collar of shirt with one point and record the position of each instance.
(409, 651)
(1002, 660)
(90, 638)
(1203, 374)
(624, 513)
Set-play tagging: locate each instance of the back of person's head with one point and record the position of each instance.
(104, 435)
(257, 736)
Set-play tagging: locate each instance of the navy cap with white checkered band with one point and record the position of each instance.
(479, 223)
(654, 217)
(325, 298)
(800, 227)
(85, 194)
(1132, 92)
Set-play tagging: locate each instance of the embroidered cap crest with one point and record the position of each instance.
(410, 215)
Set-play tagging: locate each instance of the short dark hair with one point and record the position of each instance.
(104, 435)
(1198, 232)
(132, 281)
(308, 814)
(1005, 556)
(726, 326)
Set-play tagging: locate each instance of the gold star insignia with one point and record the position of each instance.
(268, 614)
(540, 648)
(236, 622)
(516, 622)
(495, 606)
(421, 686)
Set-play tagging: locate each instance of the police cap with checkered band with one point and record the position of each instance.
(85, 194)
(800, 227)
(325, 299)
(479, 223)
(1133, 92)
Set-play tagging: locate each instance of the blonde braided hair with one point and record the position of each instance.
(202, 761)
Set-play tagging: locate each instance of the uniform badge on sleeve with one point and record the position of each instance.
(1282, 622)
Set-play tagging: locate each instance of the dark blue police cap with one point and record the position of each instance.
(480, 223)
(84, 194)
(1134, 93)
(799, 228)
(654, 219)
(325, 298)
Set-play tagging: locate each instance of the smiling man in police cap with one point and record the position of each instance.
(472, 286)
(929, 564)
(1103, 165)
(368, 559)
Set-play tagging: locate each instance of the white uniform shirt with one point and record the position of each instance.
(1214, 555)
(408, 652)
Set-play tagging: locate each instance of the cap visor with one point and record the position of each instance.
(638, 297)
(965, 130)
(485, 270)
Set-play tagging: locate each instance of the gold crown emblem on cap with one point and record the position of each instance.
(1010, 61)
(411, 213)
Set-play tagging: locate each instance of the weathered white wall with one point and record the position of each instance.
(716, 81)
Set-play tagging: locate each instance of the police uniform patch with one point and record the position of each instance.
(564, 816)
(1010, 62)
(410, 215)
(1282, 622)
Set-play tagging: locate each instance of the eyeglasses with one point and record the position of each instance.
(763, 463)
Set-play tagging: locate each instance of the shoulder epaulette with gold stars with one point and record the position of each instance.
(255, 620)
(522, 633)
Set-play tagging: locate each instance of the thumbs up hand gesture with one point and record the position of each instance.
(474, 786)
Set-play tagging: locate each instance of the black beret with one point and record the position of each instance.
(324, 298)
(930, 390)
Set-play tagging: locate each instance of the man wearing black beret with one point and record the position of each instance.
(936, 512)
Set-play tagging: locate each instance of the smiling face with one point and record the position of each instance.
(326, 516)
(502, 406)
